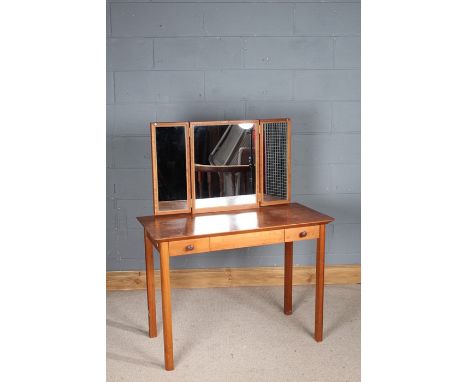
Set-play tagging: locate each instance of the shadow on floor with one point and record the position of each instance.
(126, 327)
(135, 361)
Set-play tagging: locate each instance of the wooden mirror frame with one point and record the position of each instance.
(193, 125)
(262, 162)
(190, 165)
(154, 166)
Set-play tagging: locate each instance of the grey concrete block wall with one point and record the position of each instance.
(221, 59)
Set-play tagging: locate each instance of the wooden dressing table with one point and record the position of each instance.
(185, 234)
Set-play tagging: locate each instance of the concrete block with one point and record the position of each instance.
(345, 208)
(129, 53)
(221, 259)
(134, 264)
(328, 19)
(276, 250)
(131, 152)
(109, 163)
(152, 20)
(111, 215)
(111, 251)
(346, 239)
(108, 20)
(158, 86)
(200, 111)
(113, 265)
(109, 87)
(247, 19)
(128, 210)
(289, 52)
(327, 85)
(129, 183)
(347, 52)
(311, 179)
(248, 85)
(198, 53)
(346, 117)
(130, 119)
(346, 178)
(130, 245)
(320, 149)
(340, 259)
(306, 116)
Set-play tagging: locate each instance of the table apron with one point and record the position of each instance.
(242, 240)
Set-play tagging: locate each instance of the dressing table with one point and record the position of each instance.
(231, 203)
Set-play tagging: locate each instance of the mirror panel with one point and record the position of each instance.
(170, 167)
(276, 167)
(224, 164)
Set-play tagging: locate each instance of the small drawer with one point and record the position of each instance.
(301, 233)
(187, 247)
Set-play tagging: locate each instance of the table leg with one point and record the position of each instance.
(166, 305)
(150, 292)
(288, 276)
(319, 284)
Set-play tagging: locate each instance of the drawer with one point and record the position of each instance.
(301, 233)
(241, 240)
(186, 247)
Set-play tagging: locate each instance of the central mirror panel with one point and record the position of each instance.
(224, 164)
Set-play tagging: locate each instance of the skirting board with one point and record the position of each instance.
(234, 277)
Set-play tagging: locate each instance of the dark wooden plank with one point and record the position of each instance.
(150, 292)
(288, 277)
(319, 284)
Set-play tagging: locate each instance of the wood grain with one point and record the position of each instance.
(166, 306)
(187, 226)
(301, 233)
(234, 277)
(150, 292)
(187, 247)
(241, 240)
(319, 290)
(288, 277)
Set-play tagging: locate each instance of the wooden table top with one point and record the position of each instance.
(184, 226)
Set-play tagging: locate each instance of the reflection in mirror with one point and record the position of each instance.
(275, 163)
(171, 168)
(225, 172)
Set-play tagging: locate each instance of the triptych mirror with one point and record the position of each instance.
(220, 165)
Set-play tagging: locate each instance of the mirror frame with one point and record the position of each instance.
(262, 161)
(193, 125)
(154, 166)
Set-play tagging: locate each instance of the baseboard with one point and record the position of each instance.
(233, 277)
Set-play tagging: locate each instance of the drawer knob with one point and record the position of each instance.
(189, 247)
(303, 234)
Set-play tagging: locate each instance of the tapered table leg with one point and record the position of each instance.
(319, 284)
(166, 305)
(150, 292)
(288, 276)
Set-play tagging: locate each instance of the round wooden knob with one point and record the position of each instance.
(303, 234)
(189, 247)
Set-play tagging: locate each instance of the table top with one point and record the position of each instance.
(184, 226)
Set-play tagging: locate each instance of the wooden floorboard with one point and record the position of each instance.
(233, 277)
